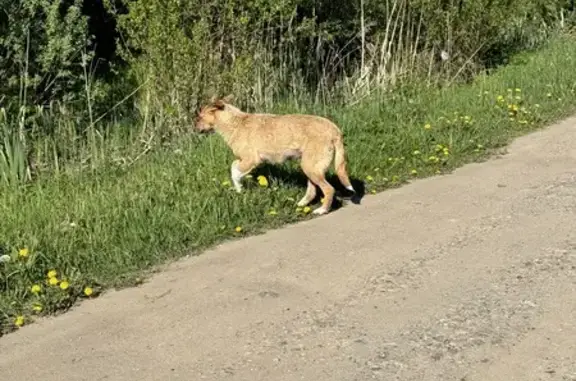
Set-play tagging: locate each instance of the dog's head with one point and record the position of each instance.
(207, 117)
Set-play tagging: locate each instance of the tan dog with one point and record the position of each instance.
(256, 138)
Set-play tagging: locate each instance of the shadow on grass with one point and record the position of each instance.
(289, 175)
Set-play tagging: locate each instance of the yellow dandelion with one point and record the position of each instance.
(446, 152)
(414, 172)
(35, 288)
(272, 212)
(306, 209)
(37, 307)
(238, 229)
(53, 281)
(373, 191)
(88, 291)
(52, 274)
(226, 183)
(262, 181)
(369, 178)
(64, 285)
(19, 321)
(439, 147)
(416, 153)
(500, 98)
(427, 126)
(23, 252)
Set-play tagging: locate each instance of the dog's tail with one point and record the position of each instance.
(340, 163)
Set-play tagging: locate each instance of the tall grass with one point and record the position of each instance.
(279, 61)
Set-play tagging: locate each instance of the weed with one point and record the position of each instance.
(71, 236)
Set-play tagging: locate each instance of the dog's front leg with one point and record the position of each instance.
(238, 170)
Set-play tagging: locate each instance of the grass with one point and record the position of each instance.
(78, 234)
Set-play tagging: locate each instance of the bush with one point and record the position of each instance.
(267, 49)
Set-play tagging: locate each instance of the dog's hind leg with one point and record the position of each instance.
(315, 166)
(238, 170)
(309, 196)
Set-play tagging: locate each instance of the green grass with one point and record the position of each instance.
(106, 228)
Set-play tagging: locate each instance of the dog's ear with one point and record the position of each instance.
(219, 104)
(228, 98)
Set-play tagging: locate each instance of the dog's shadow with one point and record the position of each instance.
(295, 177)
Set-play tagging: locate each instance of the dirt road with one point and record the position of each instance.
(470, 276)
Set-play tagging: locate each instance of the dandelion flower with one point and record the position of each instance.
(19, 321)
(427, 126)
(306, 209)
(35, 288)
(272, 212)
(416, 153)
(414, 172)
(369, 178)
(226, 183)
(500, 98)
(24, 252)
(238, 229)
(262, 181)
(37, 307)
(52, 274)
(88, 291)
(373, 191)
(64, 285)
(53, 281)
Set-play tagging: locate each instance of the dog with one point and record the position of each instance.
(258, 138)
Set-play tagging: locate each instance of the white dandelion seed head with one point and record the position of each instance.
(444, 55)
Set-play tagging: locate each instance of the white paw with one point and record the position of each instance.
(320, 210)
(303, 202)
